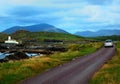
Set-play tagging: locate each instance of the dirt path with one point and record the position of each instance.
(78, 71)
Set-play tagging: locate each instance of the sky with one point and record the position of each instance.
(69, 15)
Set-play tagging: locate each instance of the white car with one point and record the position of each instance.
(108, 43)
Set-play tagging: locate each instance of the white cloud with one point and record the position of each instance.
(63, 13)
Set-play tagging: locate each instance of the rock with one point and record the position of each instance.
(15, 56)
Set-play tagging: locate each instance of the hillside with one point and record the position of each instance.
(103, 38)
(98, 33)
(35, 28)
(41, 36)
(3, 37)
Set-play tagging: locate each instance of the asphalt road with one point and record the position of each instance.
(78, 71)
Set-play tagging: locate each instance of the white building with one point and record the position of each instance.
(11, 41)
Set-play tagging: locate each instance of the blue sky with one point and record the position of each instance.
(70, 15)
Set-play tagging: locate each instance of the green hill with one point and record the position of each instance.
(103, 38)
(23, 35)
(3, 37)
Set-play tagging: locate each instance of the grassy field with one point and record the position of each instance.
(15, 71)
(110, 72)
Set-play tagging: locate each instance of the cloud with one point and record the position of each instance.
(99, 2)
(70, 15)
(25, 11)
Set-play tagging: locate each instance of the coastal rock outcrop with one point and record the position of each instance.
(15, 56)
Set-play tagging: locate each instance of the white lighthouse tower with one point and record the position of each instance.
(9, 38)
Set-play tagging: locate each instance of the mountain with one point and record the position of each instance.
(35, 28)
(98, 33)
(85, 33)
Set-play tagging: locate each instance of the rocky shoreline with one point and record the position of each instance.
(15, 56)
(18, 54)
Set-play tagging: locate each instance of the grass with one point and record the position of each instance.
(14, 71)
(40, 36)
(110, 72)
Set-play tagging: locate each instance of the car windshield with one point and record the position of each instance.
(108, 41)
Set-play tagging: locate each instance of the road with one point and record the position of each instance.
(78, 71)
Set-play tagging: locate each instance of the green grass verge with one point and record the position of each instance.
(110, 72)
(15, 71)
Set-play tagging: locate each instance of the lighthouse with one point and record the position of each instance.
(11, 41)
(9, 38)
